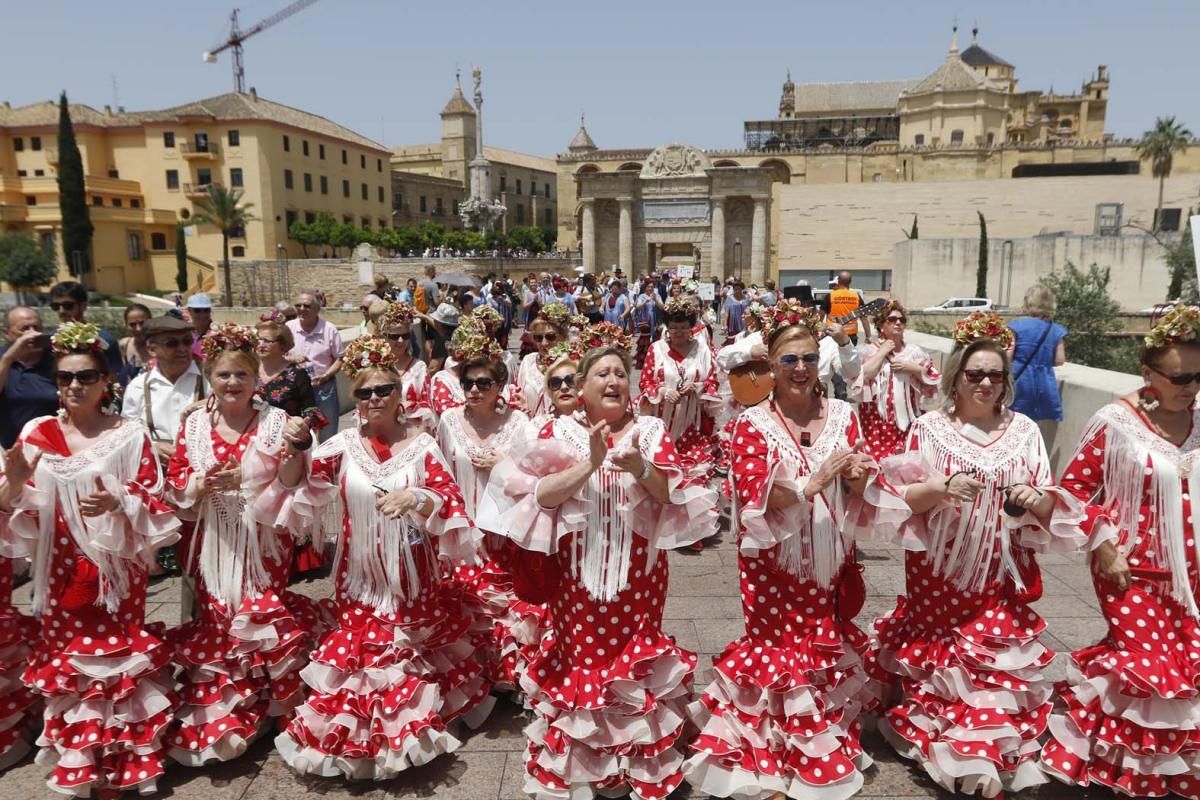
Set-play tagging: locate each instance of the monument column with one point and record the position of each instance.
(625, 235)
(758, 242)
(588, 235)
(718, 237)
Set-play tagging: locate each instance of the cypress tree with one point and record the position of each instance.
(77, 226)
(981, 272)
(914, 233)
(181, 278)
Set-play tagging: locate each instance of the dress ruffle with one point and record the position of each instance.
(19, 707)
(385, 691)
(237, 673)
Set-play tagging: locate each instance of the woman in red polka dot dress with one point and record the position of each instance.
(395, 325)
(593, 503)
(19, 706)
(962, 644)
(400, 670)
(82, 489)
(445, 388)
(548, 329)
(1130, 712)
(781, 714)
(239, 660)
(896, 377)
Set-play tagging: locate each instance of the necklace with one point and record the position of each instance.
(805, 434)
(1158, 429)
(253, 418)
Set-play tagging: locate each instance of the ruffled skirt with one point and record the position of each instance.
(969, 667)
(384, 691)
(19, 707)
(1129, 717)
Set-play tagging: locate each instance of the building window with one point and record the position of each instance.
(39, 173)
(503, 184)
(308, 181)
(290, 218)
(18, 144)
(379, 165)
(31, 200)
(518, 185)
(287, 144)
(168, 138)
(114, 174)
(439, 208)
(235, 177)
(235, 138)
(546, 219)
(347, 219)
(382, 224)
(116, 201)
(287, 179)
(35, 142)
(204, 176)
(158, 241)
(991, 139)
(1167, 219)
(135, 247)
(365, 194)
(547, 190)
(520, 214)
(1108, 219)
(135, 203)
(48, 242)
(454, 207)
(362, 160)
(346, 189)
(304, 146)
(366, 223)
(96, 201)
(956, 137)
(381, 194)
(919, 139)
(423, 209)
(324, 185)
(344, 157)
(321, 151)
(310, 217)
(21, 173)
(238, 251)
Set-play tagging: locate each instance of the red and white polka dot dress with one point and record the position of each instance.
(19, 707)
(691, 421)
(608, 688)
(400, 669)
(104, 676)
(1129, 713)
(962, 643)
(892, 401)
(239, 660)
(782, 712)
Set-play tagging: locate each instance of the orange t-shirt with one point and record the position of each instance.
(842, 302)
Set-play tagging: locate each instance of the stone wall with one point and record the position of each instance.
(927, 271)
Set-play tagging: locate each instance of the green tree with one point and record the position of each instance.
(527, 237)
(322, 231)
(494, 240)
(982, 269)
(1160, 145)
(912, 234)
(224, 210)
(408, 239)
(77, 228)
(549, 236)
(181, 276)
(343, 234)
(301, 232)
(1090, 317)
(474, 240)
(24, 263)
(432, 234)
(456, 240)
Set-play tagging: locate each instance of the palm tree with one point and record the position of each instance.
(1160, 146)
(223, 209)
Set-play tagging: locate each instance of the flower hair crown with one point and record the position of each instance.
(471, 341)
(557, 314)
(367, 352)
(274, 315)
(228, 336)
(561, 353)
(1180, 324)
(489, 316)
(983, 325)
(577, 322)
(605, 334)
(396, 314)
(679, 305)
(77, 337)
(786, 313)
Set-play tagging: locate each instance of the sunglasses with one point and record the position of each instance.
(544, 337)
(86, 377)
(483, 383)
(994, 376)
(303, 305)
(397, 337)
(1182, 379)
(173, 342)
(63, 305)
(381, 391)
(898, 320)
(559, 381)
(792, 359)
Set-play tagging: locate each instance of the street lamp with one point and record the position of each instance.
(737, 256)
(282, 253)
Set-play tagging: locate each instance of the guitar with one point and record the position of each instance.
(753, 382)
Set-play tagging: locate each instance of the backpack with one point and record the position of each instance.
(419, 302)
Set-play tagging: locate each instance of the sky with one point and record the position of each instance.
(645, 73)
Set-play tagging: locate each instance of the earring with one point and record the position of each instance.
(210, 403)
(1148, 397)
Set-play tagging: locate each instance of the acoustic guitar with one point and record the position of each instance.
(752, 382)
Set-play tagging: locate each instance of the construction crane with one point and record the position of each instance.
(237, 36)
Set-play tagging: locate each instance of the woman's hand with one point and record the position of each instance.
(630, 460)
(858, 466)
(598, 444)
(1109, 564)
(297, 432)
(99, 502)
(829, 471)
(758, 352)
(887, 347)
(225, 477)
(963, 488)
(907, 367)
(670, 396)
(1027, 497)
(394, 505)
(18, 469)
(486, 460)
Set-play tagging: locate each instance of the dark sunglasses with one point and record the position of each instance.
(1182, 379)
(543, 337)
(173, 342)
(382, 390)
(994, 376)
(483, 383)
(792, 359)
(86, 377)
(397, 337)
(63, 305)
(303, 305)
(559, 381)
(900, 320)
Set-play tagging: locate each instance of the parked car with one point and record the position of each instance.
(962, 306)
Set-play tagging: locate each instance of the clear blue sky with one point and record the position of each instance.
(645, 72)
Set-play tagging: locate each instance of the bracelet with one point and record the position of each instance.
(645, 473)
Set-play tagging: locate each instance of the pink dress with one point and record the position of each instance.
(691, 421)
(892, 401)
(19, 705)
(782, 712)
(239, 661)
(962, 642)
(104, 676)
(531, 382)
(516, 627)
(1129, 713)
(399, 670)
(608, 688)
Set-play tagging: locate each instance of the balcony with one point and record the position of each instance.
(197, 189)
(192, 150)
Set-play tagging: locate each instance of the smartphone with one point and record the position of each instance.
(42, 341)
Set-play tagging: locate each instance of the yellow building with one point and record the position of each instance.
(525, 185)
(144, 170)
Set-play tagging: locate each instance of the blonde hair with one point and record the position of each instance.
(248, 358)
(361, 376)
(590, 359)
(956, 362)
(375, 311)
(282, 332)
(1039, 301)
(785, 335)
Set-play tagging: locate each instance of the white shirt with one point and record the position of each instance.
(167, 400)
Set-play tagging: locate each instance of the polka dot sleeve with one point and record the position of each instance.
(690, 511)
(458, 539)
(755, 471)
(441, 397)
(650, 383)
(1084, 479)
